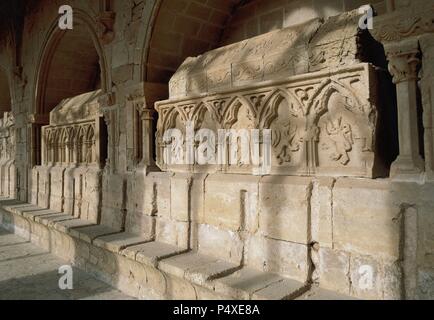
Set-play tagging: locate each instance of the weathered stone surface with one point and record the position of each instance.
(231, 202)
(322, 211)
(334, 270)
(284, 208)
(363, 211)
(286, 258)
(244, 283)
(223, 244)
(180, 193)
(88, 234)
(151, 253)
(284, 289)
(322, 294)
(116, 242)
(172, 232)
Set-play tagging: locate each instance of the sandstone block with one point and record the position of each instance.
(231, 202)
(284, 208)
(172, 232)
(179, 196)
(333, 270)
(285, 258)
(364, 211)
(223, 244)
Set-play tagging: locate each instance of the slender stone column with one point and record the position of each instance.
(403, 65)
(147, 117)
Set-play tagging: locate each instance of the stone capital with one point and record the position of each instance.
(147, 114)
(403, 60)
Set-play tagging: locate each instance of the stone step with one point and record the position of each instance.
(316, 293)
(49, 219)
(151, 253)
(20, 209)
(12, 205)
(197, 268)
(90, 233)
(224, 278)
(119, 241)
(67, 225)
(31, 215)
(248, 283)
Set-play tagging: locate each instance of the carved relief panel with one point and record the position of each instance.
(72, 138)
(321, 123)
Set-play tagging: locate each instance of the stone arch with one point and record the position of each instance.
(231, 112)
(319, 105)
(175, 30)
(202, 27)
(55, 48)
(269, 111)
(63, 71)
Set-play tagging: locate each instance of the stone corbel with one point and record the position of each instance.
(106, 21)
(403, 65)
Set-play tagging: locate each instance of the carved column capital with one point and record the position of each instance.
(404, 61)
(147, 114)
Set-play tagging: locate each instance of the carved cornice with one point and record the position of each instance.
(403, 24)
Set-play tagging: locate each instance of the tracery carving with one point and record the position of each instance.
(73, 135)
(322, 123)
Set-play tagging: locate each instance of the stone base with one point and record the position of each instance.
(150, 270)
(407, 169)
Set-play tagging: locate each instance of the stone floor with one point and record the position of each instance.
(30, 273)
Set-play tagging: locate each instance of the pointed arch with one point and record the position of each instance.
(319, 102)
(232, 108)
(269, 111)
(53, 39)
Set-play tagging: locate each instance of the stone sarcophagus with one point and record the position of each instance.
(73, 155)
(73, 136)
(296, 101)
